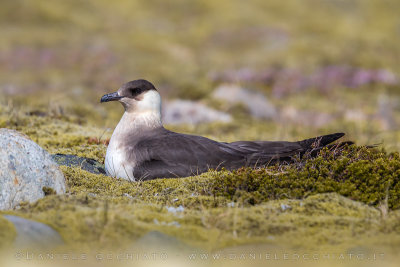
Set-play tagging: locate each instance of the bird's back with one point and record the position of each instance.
(163, 153)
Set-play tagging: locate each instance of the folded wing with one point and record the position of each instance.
(169, 154)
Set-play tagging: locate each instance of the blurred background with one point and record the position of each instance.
(227, 69)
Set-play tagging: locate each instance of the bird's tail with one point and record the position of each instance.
(316, 143)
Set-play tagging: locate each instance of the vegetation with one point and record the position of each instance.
(330, 69)
(7, 233)
(313, 199)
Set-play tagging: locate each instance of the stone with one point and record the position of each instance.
(257, 104)
(189, 112)
(27, 171)
(31, 234)
(87, 164)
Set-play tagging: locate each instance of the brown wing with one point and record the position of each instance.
(169, 154)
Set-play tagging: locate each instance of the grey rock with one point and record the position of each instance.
(257, 104)
(190, 112)
(31, 234)
(27, 170)
(174, 210)
(86, 164)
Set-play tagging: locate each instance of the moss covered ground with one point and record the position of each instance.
(7, 233)
(58, 58)
(343, 198)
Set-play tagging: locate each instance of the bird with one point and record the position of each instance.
(141, 148)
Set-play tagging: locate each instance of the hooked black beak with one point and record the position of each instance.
(110, 97)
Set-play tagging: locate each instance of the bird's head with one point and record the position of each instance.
(136, 96)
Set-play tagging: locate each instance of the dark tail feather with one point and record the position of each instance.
(319, 142)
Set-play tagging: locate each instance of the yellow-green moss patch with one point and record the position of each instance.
(362, 174)
(283, 204)
(317, 222)
(7, 232)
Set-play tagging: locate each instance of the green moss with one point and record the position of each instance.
(342, 198)
(317, 222)
(7, 232)
(179, 191)
(58, 134)
(286, 205)
(366, 175)
(48, 191)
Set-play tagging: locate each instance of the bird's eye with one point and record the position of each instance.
(135, 91)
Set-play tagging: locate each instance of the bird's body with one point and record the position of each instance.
(141, 148)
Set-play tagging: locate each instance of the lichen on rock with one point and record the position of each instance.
(26, 169)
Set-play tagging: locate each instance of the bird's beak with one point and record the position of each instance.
(110, 97)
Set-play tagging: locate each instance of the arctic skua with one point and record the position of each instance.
(141, 148)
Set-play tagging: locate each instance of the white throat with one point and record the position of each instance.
(150, 101)
(143, 114)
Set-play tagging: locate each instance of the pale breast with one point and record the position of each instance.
(116, 163)
(121, 157)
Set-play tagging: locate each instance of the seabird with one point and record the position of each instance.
(141, 148)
